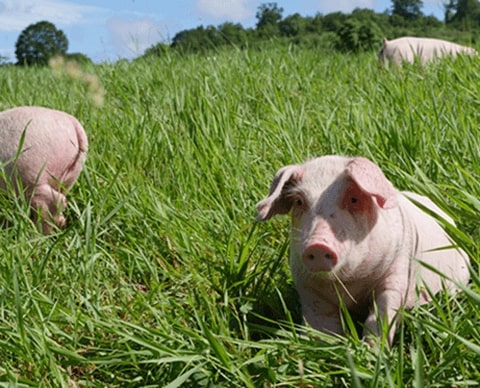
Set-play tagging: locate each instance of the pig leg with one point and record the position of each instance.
(384, 312)
(48, 204)
(320, 315)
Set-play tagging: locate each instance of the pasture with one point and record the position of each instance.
(163, 277)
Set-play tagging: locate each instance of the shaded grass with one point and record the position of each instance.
(162, 275)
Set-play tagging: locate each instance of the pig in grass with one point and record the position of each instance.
(411, 49)
(42, 151)
(355, 237)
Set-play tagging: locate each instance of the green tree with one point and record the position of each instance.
(293, 25)
(189, 40)
(314, 24)
(39, 42)
(334, 21)
(268, 17)
(156, 50)
(357, 35)
(200, 39)
(407, 9)
(463, 13)
(233, 34)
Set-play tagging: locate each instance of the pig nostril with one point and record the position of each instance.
(319, 257)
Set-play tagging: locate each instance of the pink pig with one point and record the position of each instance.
(408, 48)
(355, 237)
(50, 159)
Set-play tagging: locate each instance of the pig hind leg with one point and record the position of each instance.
(48, 205)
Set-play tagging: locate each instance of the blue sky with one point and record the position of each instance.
(107, 30)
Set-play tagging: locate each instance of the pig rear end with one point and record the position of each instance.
(52, 154)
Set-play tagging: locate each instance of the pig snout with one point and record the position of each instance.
(320, 252)
(319, 257)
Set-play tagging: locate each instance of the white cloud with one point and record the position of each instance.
(131, 37)
(16, 15)
(232, 10)
(327, 6)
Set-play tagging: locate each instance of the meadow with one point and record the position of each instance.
(164, 278)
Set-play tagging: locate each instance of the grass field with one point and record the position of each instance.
(163, 277)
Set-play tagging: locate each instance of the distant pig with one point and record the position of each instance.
(409, 49)
(356, 240)
(42, 152)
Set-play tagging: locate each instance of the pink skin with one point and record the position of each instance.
(408, 49)
(355, 237)
(51, 158)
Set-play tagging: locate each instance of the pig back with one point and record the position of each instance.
(52, 144)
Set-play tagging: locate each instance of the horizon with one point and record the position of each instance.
(124, 30)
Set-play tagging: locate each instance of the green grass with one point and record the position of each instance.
(163, 277)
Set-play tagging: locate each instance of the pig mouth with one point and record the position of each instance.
(319, 257)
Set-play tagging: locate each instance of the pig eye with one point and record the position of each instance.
(354, 199)
(298, 202)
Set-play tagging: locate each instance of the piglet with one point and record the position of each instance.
(357, 240)
(42, 152)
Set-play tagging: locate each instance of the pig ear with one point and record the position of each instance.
(371, 180)
(277, 202)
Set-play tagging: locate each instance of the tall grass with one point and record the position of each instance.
(163, 277)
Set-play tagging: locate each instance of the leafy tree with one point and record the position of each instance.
(233, 34)
(334, 21)
(370, 25)
(314, 24)
(268, 19)
(293, 25)
(450, 8)
(156, 50)
(464, 13)
(200, 39)
(407, 9)
(39, 42)
(356, 35)
(193, 40)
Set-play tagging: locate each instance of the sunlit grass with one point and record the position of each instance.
(162, 276)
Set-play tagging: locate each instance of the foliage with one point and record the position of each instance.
(361, 30)
(163, 278)
(356, 36)
(293, 25)
(156, 50)
(464, 14)
(268, 18)
(79, 58)
(233, 34)
(407, 9)
(198, 40)
(39, 42)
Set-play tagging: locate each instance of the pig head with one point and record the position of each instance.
(357, 241)
(42, 152)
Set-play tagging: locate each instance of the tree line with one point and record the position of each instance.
(360, 30)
